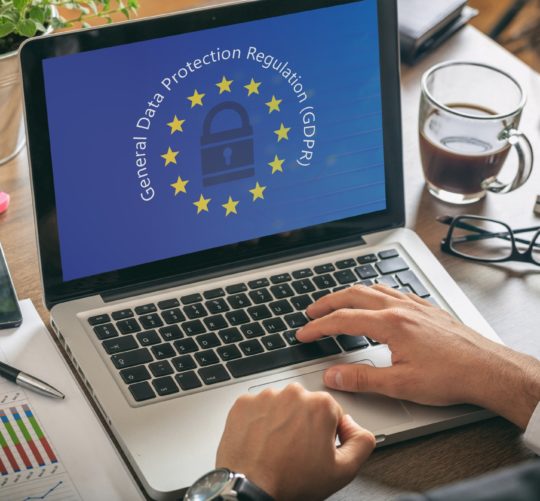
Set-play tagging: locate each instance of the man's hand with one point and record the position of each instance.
(436, 360)
(284, 442)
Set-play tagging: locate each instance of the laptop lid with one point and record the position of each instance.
(179, 146)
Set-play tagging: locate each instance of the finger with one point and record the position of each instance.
(361, 378)
(347, 321)
(356, 446)
(419, 300)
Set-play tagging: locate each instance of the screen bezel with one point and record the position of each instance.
(225, 258)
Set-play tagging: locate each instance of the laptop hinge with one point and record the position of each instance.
(228, 269)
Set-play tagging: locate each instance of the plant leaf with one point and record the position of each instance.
(6, 27)
(37, 13)
(26, 28)
(20, 5)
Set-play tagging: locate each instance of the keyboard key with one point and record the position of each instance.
(191, 298)
(296, 320)
(366, 271)
(239, 301)
(281, 307)
(325, 282)
(213, 375)
(120, 344)
(128, 326)
(290, 337)
(168, 304)
(387, 254)
(251, 347)
(345, 277)
(317, 295)
(131, 358)
(367, 283)
(388, 280)
(188, 380)
(259, 284)
(273, 342)
(340, 288)
(162, 351)
(368, 258)
(173, 316)
(165, 386)
(99, 319)
(235, 289)
(237, 317)
(231, 335)
(301, 302)
(147, 338)
(214, 293)
(252, 330)
(217, 306)
(324, 268)
(279, 279)
(122, 314)
(193, 327)
(230, 352)
(145, 309)
(171, 332)
(303, 286)
(346, 263)
(105, 331)
(135, 374)
(151, 321)
(259, 312)
(273, 325)
(260, 296)
(282, 291)
(196, 310)
(282, 358)
(392, 265)
(141, 391)
(185, 346)
(208, 341)
(409, 278)
(207, 357)
(184, 363)
(162, 368)
(300, 274)
(215, 322)
(350, 343)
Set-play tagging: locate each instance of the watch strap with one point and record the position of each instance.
(248, 491)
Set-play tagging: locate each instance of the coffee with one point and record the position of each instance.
(457, 154)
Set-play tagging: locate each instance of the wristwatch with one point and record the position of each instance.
(224, 484)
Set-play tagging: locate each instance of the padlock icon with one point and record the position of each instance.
(227, 155)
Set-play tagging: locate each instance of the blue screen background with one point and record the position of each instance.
(95, 99)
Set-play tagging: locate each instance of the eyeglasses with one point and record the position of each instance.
(487, 240)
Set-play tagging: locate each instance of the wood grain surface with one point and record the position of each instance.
(508, 296)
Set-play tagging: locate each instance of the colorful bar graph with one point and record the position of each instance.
(15, 440)
(27, 436)
(39, 433)
(9, 454)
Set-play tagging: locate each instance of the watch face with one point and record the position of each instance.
(208, 486)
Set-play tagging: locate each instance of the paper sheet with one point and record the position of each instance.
(52, 449)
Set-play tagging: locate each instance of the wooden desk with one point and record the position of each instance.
(508, 296)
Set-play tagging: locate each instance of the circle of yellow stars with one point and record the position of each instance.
(176, 125)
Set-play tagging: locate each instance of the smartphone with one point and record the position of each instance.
(10, 313)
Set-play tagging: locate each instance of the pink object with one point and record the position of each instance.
(4, 201)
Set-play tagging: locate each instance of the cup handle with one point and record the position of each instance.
(521, 143)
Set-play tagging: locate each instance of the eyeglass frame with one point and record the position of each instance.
(516, 255)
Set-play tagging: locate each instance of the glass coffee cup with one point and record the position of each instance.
(468, 124)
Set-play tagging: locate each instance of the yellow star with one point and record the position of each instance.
(257, 192)
(230, 206)
(274, 104)
(176, 125)
(224, 85)
(170, 157)
(196, 99)
(179, 186)
(202, 204)
(282, 133)
(253, 87)
(277, 165)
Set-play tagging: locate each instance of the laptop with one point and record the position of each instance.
(198, 180)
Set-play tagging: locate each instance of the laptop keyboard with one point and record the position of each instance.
(189, 343)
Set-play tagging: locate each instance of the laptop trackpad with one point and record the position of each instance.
(373, 412)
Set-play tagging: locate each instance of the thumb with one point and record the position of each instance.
(356, 446)
(359, 378)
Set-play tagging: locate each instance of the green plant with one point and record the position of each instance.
(20, 19)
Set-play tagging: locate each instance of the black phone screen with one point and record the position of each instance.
(10, 314)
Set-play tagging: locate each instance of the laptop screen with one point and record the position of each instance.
(180, 144)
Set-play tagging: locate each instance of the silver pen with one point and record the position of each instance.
(30, 382)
